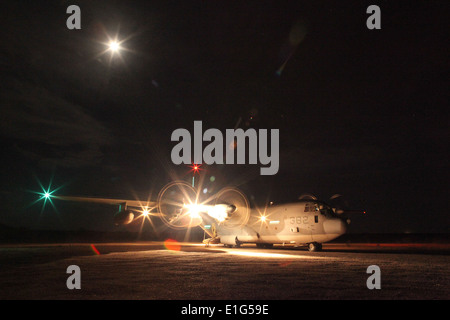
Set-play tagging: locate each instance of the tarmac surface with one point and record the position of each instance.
(191, 271)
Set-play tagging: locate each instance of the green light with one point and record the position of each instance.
(46, 195)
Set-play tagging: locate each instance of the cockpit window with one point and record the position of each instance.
(311, 207)
(327, 212)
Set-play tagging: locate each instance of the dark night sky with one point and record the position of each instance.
(363, 113)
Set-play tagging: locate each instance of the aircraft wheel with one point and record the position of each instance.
(314, 246)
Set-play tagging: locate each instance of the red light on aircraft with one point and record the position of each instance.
(195, 168)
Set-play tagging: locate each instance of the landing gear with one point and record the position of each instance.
(209, 241)
(314, 246)
(236, 245)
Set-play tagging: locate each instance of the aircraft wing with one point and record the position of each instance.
(128, 203)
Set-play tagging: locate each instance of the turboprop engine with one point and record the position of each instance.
(123, 217)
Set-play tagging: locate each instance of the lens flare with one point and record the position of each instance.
(45, 195)
(172, 245)
(114, 46)
(95, 250)
(195, 168)
(177, 205)
(218, 211)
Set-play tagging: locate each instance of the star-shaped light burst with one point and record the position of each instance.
(195, 168)
(144, 212)
(45, 195)
(114, 46)
(145, 215)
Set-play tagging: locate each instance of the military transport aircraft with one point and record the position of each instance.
(228, 219)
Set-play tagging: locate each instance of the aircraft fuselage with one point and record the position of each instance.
(294, 223)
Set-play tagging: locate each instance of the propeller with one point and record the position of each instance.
(335, 196)
(340, 207)
(307, 196)
(338, 203)
(238, 208)
(173, 205)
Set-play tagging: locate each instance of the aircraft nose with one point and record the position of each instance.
(334, 226)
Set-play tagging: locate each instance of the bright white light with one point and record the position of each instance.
(262, 218)
(114, 46)
(195, 209)
(218, 211)
(145, 212)
(47, 195)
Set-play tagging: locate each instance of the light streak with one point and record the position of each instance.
(95, 249)
(257, 254)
